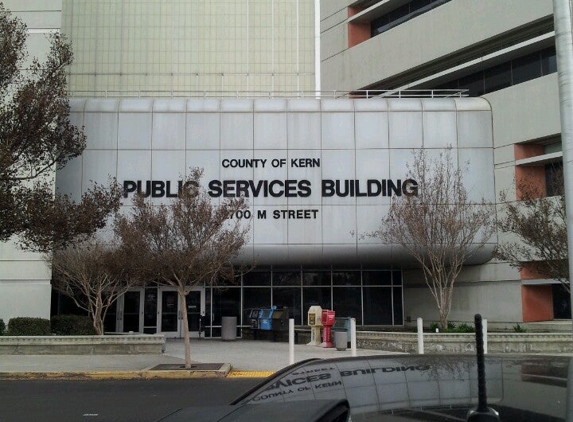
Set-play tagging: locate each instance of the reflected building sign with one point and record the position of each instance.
(317, 173)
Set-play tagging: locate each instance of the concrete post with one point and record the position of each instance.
(353, 337)
(484, 325)
(420, 336)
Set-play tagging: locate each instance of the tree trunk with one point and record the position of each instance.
(186, 338)
(443, 322)
(98, 321)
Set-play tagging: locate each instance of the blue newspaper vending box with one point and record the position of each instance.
(266, 318)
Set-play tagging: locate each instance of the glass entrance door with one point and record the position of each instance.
(153, 310)
(168, 315)
(133, 311)
(195, 309)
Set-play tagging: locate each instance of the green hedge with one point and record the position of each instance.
(72, 325)
(2, 327)
(26, 326)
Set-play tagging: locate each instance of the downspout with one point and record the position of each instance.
(317, 82)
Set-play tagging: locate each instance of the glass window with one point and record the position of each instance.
(346, 278)
(208, 306)
(554, 179)
(226, 303)
(150, 311)
(398, 306)
(378, 24)
(316, 278)
(399, 13)
(548, 61)
(256, 298)
(473, 83)
(377, 278)
(377, 305)
(561, 302)
(257, 278)
(131, 311)
(526, 68)
(290, 278)
(320, 296)
(289, 297)
(498, 77)
(109, 323)
(397, 278)
(402, 14)
(418, 4)
(347, 302)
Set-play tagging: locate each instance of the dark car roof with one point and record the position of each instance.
(426, 387)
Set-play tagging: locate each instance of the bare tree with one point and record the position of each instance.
(91, 274)
(440, 227)
(540, 226)
(186, 243)
(37, 138)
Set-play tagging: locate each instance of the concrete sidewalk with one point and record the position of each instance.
(249, 358)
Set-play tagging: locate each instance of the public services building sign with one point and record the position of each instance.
(316, 173)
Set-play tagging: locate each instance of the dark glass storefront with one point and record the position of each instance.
(372, 296)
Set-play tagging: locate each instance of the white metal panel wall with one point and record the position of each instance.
(298, 140)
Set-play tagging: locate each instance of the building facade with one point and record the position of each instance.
(318, 176)
(141, 47)
(501, 51)
(25, 288)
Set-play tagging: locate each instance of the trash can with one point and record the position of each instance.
(229, 328)
(340, 339)
(341, 329)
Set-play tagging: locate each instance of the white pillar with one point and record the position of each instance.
(291, 341)
(420, 336)
(564, 48)
(353, 336)
(484, 325)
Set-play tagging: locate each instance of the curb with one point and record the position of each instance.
(224, 372)
(250, 374)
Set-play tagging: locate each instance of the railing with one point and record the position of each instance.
(409, 93)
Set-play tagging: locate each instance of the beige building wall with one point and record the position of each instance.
(189, 46)
(25, 288)
(455, 37)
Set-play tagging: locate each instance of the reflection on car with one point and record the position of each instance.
(405, 388)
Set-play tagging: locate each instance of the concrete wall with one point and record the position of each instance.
(24, 277)
(421, 41)
(190, 46)
(498, 301)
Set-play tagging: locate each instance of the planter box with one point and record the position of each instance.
(461, 343)
(82, 345)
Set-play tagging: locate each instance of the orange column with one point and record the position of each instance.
(537, 303)
(357, 31)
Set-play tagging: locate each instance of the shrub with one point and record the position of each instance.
(452, 328)
(26, 326)
(72, 325)
(2, 327)
(519, 329)
(465, 328)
